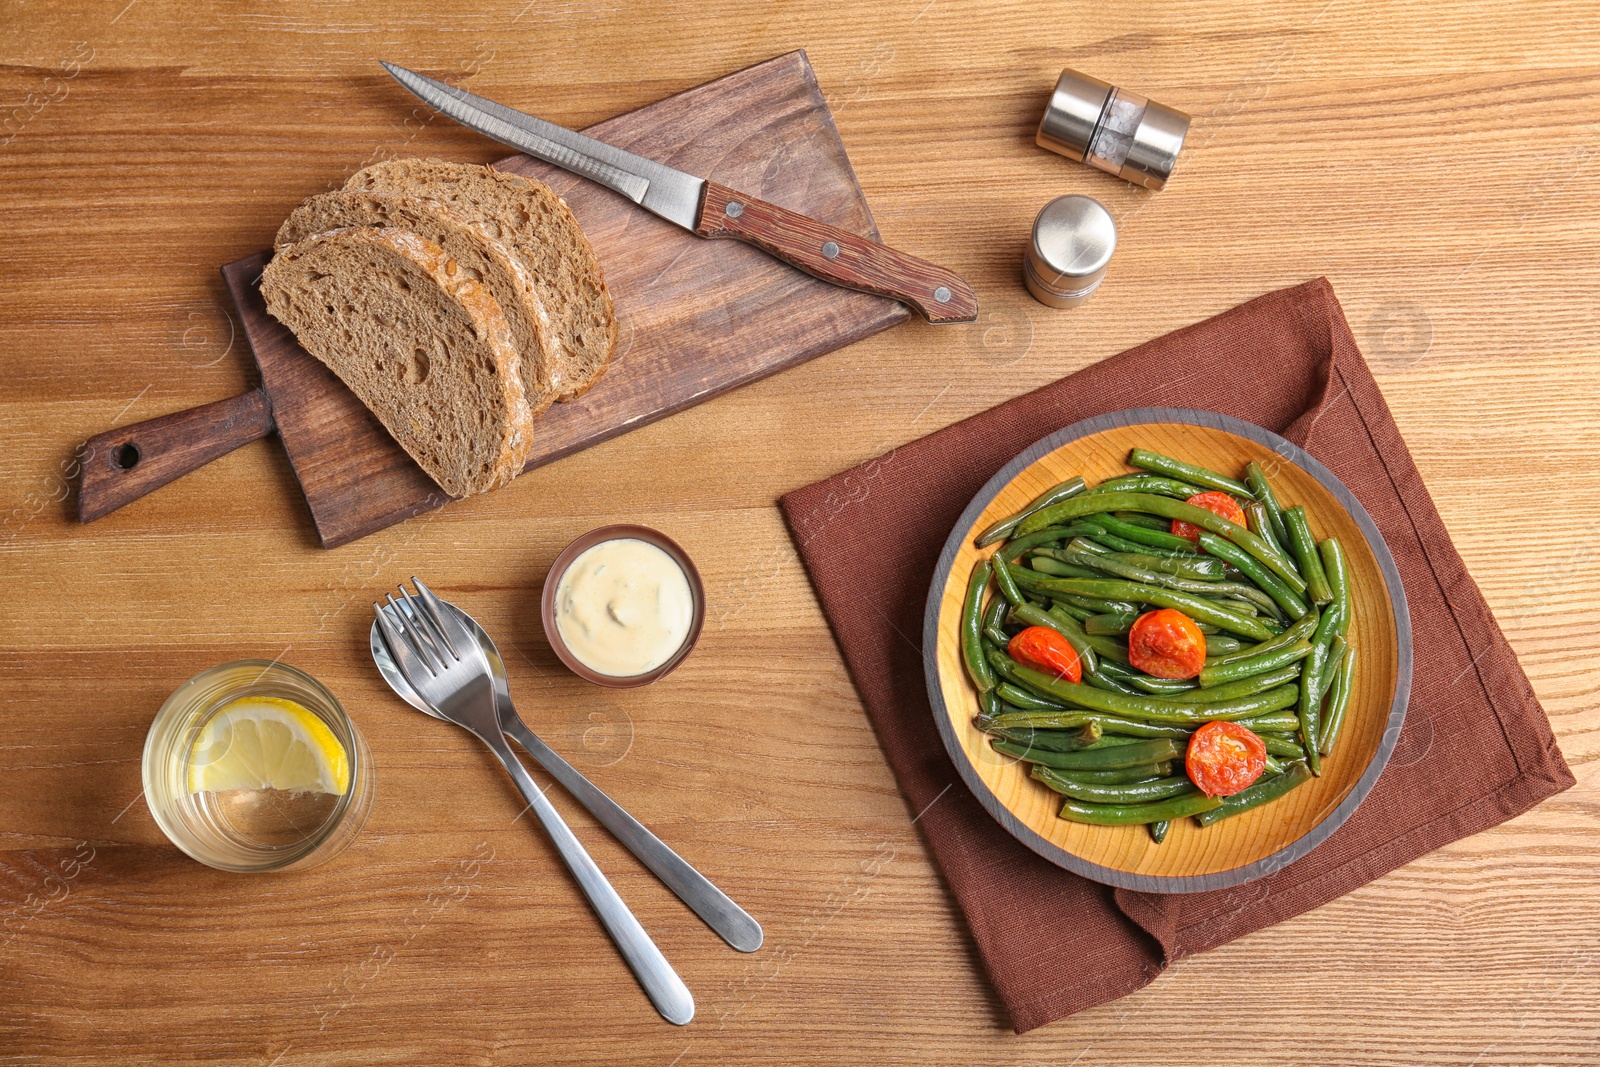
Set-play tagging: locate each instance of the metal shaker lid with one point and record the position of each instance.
(1073, 239)
(1112, 129)
(1074, 112)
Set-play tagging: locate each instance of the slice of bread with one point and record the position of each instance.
(423, 345)
(486, 261)
(535, 224)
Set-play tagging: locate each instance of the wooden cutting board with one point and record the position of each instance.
(696, 317)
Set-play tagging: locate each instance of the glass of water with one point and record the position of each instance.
(254, 766)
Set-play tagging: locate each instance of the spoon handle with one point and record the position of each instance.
(730, 921)
(661, 983)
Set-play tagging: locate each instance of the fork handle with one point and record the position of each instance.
(730, 921)
(661, 983)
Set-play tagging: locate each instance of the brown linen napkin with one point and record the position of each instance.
(1285, 361)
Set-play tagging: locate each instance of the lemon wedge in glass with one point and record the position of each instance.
(267, 743)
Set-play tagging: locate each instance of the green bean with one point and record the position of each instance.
(1177, 807)
(1311, 704)
(1005, 577)
(1066, 627)
(990, 704)
(1145, 708)
(1218, 673)
(1019, 545)
(994, 616)
(1171, 509)
(1282, 746)
(1150, 522)
(1305, 553)
(1244, 687)
(1056, 493)
(1271, 765)
(1338, 703)
(1260, 523)
(1145, 482)
(1074, 718)
(1125, 774)
(1197, 607)
(1087, 736)
(1149, 683)
(1158, 830)
(1101, 680)
(972, 630)
(995, 633)
(1113, 543)
(1277, 722)
(1196, 568)
(1296, 775)
(1098, 605)
(1256, 478)
(1177, 468)
(1019, 697)
(1056, 569)
(1222, 645)
(1072, 611)
(1270, 583)
(1108, 758)
(1112, 792)
(1113, 624)
(1338, 572)
(1336, 650)
(1305, 626)
(1144, 535)
(1112, 563)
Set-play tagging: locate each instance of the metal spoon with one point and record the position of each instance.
(730, 921)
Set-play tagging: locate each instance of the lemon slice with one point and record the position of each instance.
(267, 743)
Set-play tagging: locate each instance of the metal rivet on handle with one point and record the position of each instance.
(734, 209)
(830, 250)
(941, 294)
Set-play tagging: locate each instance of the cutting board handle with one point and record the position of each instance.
(122, 465)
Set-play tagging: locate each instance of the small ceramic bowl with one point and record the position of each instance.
(552, 582)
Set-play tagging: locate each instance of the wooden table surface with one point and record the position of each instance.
(1437, 161)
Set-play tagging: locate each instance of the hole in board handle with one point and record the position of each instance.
(125, 456)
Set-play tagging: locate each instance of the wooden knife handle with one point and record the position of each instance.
(836, 255)
(122, 465)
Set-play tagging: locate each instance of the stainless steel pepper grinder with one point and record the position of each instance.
(1112, 129)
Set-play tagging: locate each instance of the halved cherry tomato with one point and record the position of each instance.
(1214, 502)
(1167, 644)
(1045, 650)
(1224, 758)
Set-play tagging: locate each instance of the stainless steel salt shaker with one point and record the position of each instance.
(1073, 238)
(1112, 129)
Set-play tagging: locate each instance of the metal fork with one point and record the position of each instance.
(445, 664)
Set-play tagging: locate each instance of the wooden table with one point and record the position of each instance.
(1440, 162)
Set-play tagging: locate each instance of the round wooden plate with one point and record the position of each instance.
(1246, 846)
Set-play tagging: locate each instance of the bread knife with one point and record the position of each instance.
(708, 209)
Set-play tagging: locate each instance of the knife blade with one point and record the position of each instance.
(709, 209)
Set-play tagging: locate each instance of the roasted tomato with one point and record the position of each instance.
(1045, 650)
(1214, 502)
(1167, 644)
(1224, 758)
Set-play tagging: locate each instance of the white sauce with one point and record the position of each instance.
(624, 607)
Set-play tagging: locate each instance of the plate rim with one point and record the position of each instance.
(1149, 883)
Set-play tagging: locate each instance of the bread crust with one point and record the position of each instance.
(532, 221)
(499, 269)
(279, 281)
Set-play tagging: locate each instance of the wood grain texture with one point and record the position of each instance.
(1191, 857)
(1436, 160)
(837, 256)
